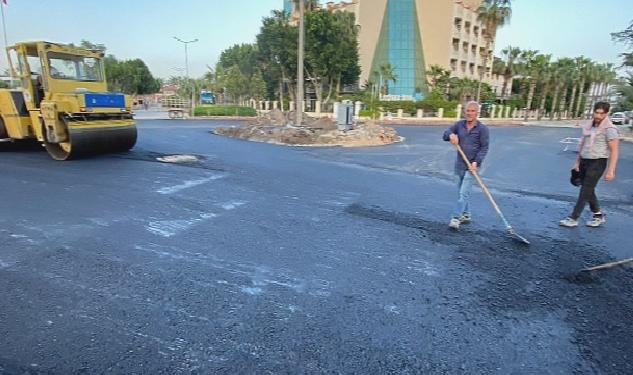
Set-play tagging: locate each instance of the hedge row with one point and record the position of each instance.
(222, 110)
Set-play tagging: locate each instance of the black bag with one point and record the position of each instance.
(576, 178)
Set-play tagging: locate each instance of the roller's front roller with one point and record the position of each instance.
(85, 139)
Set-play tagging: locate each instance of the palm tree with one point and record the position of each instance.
(595, 76)
(566, 70)
(608, 79)
(556, 74)
(547, 80)
(387, 73)
(536, 65)
(463, 89)
(578, 83)
(493, 14)
(438, 77)
(511, 55)
(587, 68)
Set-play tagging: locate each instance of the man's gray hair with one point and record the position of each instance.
(474, 103)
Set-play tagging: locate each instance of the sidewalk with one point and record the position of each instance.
(626, 132)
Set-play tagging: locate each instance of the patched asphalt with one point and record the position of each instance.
(256, 258)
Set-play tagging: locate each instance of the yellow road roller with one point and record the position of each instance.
(61, 99)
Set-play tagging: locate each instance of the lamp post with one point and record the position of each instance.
(186, 43)
(300, 58)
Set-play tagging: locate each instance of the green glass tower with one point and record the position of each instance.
(400, 47)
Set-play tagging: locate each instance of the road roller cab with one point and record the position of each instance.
(61, 99)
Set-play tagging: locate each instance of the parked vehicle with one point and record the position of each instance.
(618, 118)
(207, 97)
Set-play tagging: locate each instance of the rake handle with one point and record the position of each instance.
(483, 186)
(609, 265)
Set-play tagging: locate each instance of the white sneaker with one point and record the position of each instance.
(465, 219)
(568, 222)
(597, 220)
(454, 223)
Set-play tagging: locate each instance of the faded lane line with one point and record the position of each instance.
(169, 228)
(228, 206)
(187, 184)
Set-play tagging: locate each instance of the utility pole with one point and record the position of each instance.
(193, 94)
(300, 57)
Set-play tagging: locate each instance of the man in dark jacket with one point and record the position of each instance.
(473, 137)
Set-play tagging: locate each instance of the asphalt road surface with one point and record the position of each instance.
(260, 258)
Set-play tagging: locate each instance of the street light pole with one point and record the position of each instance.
(186, 43)
(300, 81)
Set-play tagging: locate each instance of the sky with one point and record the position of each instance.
(145, 29)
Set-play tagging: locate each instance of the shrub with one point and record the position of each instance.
(450, 113)
(406, 106)
(369, 113)
(222, 110)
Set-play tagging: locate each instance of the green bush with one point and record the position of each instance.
(407, 106)
(222, 110)
(435, 100)
(450, 113)
(369, 113)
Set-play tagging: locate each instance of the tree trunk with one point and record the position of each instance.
(529, 99)
(293, 95)
(506, 79)
(571, 101)
(281, 90)
(483, 69)
(554, 102)
(541, 107)
(329, 93)
(581, 94)
(563, 102)
(317, 84)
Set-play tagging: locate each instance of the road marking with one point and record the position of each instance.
(228, 206)
(169, 228)
(187, 185)
(251, 290)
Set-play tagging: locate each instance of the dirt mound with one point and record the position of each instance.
(276, 128)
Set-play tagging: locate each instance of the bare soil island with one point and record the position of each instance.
(277, 127)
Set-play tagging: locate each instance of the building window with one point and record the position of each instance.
(467, 27)
(454, 65)
(476, 31)
(471, 68)
(463, 66)
(473, 51)
(465, 47)
(455, 45)
(458, 24)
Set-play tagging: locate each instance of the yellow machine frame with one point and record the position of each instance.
(71, 116)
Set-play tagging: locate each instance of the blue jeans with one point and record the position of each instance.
(464, 181)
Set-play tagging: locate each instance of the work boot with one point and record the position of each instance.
(597, 220)
(454, 223)
(465, 218)
(568, 222)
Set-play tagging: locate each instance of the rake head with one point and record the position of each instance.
(514, 235)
